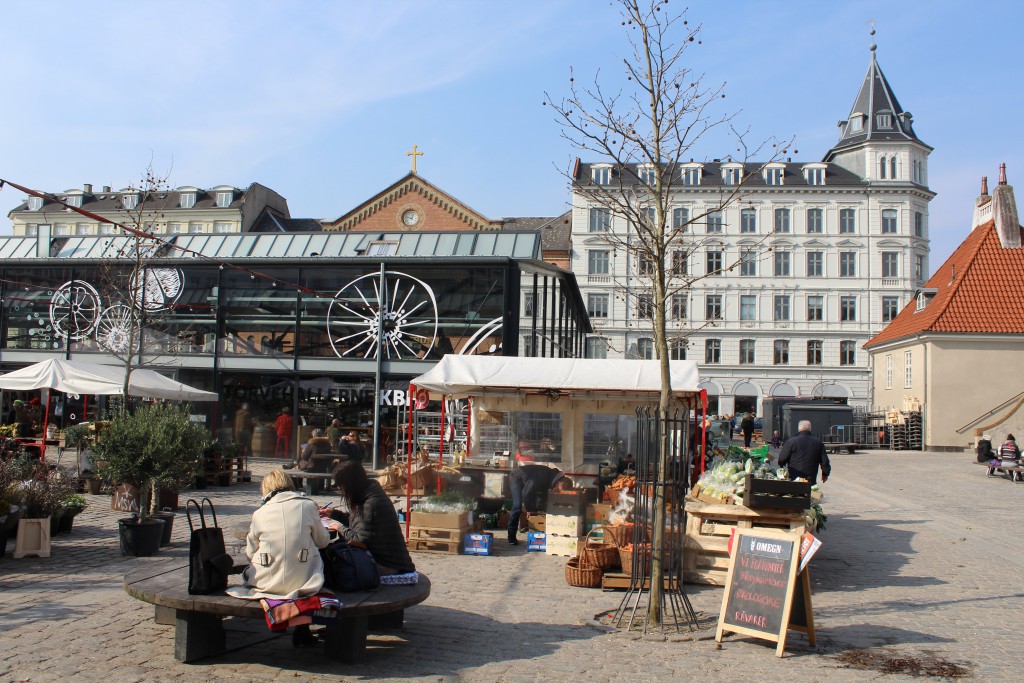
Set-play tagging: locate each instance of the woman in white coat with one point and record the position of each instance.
(283, 548)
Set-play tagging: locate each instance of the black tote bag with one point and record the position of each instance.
(208, 563)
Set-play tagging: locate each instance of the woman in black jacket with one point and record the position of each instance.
(371, 521)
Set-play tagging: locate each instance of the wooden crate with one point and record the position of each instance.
(708, 528)
(775, 493)
(446, 541)
(441, 547)
(611, 581)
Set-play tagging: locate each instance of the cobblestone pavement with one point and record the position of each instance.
(920, 559)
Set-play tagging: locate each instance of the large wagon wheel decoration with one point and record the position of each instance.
(475, 345)
(114, 328)
(74, 310)
(159, 289)
(407, 313)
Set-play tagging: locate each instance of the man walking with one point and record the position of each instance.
(747, 427)
(804, 453)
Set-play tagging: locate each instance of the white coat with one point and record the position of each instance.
(282, 546)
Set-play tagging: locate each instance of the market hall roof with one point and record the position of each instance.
(519, 245)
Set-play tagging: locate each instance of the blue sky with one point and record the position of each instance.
(321, 100)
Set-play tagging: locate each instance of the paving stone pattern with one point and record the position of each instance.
(921, 558)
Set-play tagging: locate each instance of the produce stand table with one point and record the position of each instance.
(708, 527)
(197, 619)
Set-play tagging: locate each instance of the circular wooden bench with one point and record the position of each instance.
(197, 619)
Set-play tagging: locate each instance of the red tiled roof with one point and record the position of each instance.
(979, 290)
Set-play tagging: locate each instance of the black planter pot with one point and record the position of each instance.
(67, 520)
(140, 539)
(55, 523)
(168, 520)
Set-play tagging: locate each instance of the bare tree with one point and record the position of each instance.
(646, 129)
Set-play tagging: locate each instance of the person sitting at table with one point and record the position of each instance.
(1009, 450)
(283, 548)
(984, 449)
(318, 443)
(369, 519)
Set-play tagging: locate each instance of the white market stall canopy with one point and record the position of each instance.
(78, 377)
(461, 376)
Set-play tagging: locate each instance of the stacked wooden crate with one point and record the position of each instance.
(435, 532)
(563, 523)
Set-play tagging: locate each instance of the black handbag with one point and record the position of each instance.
(208, 562)
(347, 568)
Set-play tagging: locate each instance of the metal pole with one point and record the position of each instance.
(382, 299)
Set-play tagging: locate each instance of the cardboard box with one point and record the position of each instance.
(440, 520)
(566, 546)
(598, 512)
(572, 503)
(537, 523)
(563, 525)
(478, 544)
(595, 531)
(536, 541)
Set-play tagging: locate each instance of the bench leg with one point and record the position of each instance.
(345, 640)
(390, 620)
(197, 636)
(163, 615)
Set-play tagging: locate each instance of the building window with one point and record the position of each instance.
(224, 199)
(856, 123)
(597, 347)
(847, 264)
(644, 265)
(731, 176)
(714, 262)
(847, 353)
(75, 200)
(782, 307)
(713, 307)
(883, 120)
(645, 306)
(847, 221)
(597, 262)
(889, 226)
(908, 369)
(83, 229)
(106, 229)
(600, 220)
(888, 371)
(597, 305)
(690, 176)
(848, 308)
(645, 348)
(814, 352)
(774, 176)
(713, 351)
(129, 201)
(601, 175)
(919, 267)
(816, 307)
(651, 215)
(679, 307)
(61, 229)
(222, 227)
(748, 261)
(815, 221)
(35, 203)
(890, 308)
(918, 224)
(646, 175)
(890, 264)
(176, 228)
(748, 307)
(781, 355)
(893, 168)
(815, 176)
(815, 264)
(747, 351)
(529, 346)
(528, 304)
(195, 227)
(188, 200)
(680, 262)
(781, 220)
(714, 222)
(748, 221)
(677, 349)
(681, 219)
(782, 259)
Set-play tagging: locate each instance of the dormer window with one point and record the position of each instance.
(691, 174)
(225, 198)
(129, 201)
(732, 175)
(188, 200)
(856, 123)
(814, 174)
(883, 120)
(601, 175)
(646, 174)
(75, 200)
(923, 298)
(35, 203)
(774, 174)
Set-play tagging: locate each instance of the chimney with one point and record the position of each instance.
(88, 188)
(982, 206)
(1004, 212)
(106, 188)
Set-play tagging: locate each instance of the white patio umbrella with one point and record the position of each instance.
(79, 377)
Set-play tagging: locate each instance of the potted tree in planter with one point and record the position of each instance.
(154, 444)
(11, 475)
(178, 448)
(42, 494)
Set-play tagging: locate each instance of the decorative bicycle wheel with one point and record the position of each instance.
(74, 310)
(160, 289)
(407, 313)
(114, 328)
(486, 340)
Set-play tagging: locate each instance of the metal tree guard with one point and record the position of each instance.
(675, 604)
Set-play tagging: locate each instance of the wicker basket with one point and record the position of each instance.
(626, 558)
(621, 534)
(603, 555)
(582, 575)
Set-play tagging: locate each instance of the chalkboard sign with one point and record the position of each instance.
(759, 587)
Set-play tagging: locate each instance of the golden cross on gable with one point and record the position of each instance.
(414, 154)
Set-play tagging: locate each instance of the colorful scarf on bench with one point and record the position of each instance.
(321, 608)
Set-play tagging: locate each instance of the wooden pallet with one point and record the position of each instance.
(422, 533)
(614, 581)
(708, 528)
(440, 547)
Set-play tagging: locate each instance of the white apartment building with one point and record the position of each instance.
(825, 253)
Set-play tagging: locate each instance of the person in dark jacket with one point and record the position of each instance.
(371, 521)
(747, 428)
(804, 453)
(985, 452)
(530, 485)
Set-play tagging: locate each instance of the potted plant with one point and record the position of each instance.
(73, 506)
(11, 474)
(41, 495)
(157, 445)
